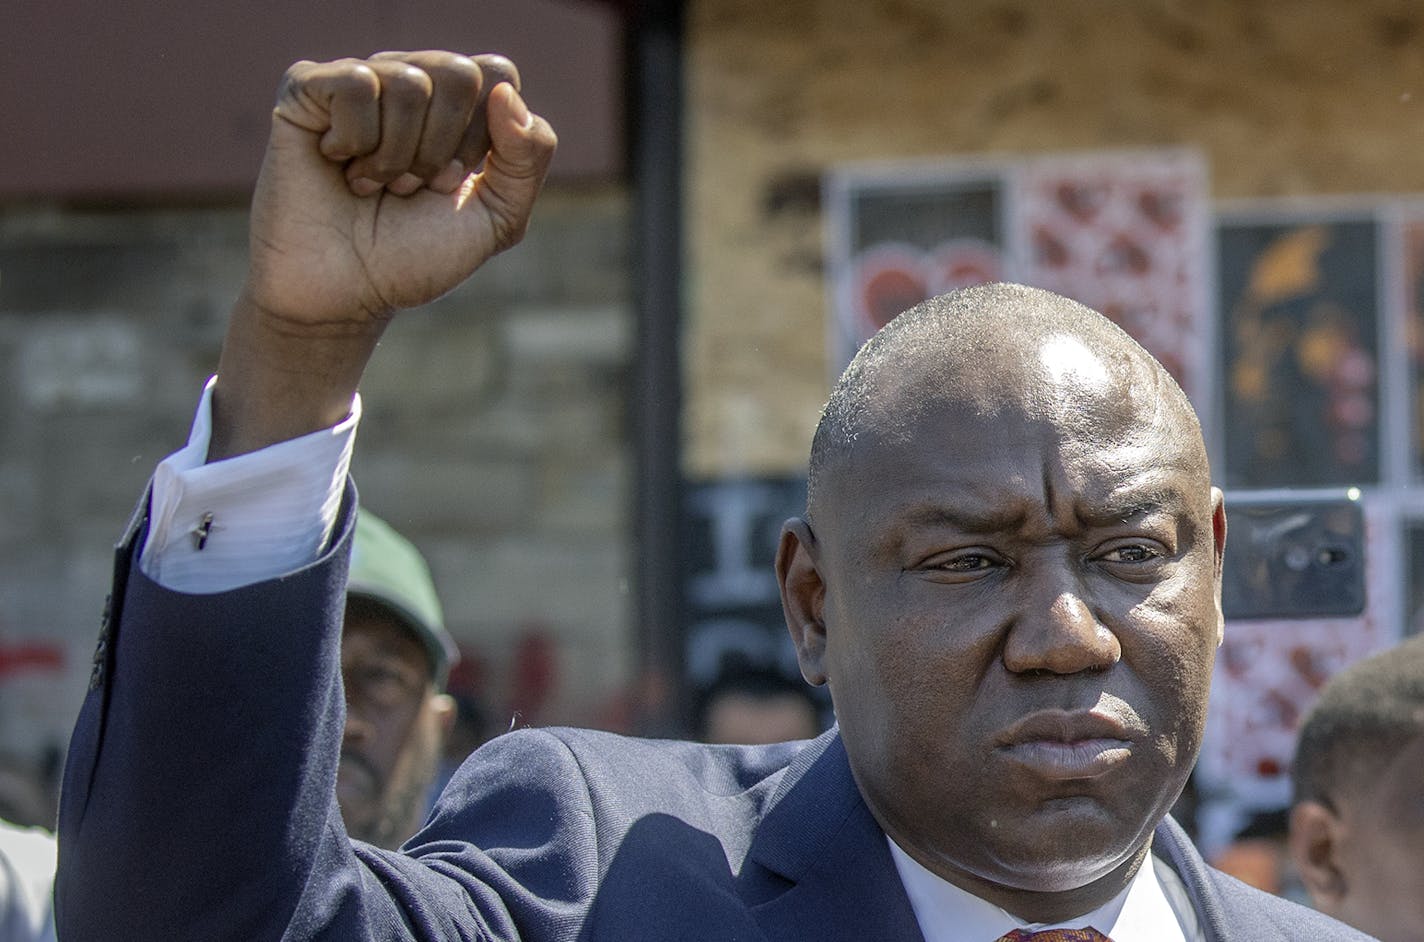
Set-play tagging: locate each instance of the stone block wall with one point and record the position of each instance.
(494, 437)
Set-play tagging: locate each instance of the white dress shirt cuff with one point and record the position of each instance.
(232, 523)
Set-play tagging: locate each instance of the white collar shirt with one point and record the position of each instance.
(1154, 907)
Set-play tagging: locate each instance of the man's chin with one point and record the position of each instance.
(1053, 876)
(1059, 862)
(1050, 850)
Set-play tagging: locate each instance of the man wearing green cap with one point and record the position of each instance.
(395, 659)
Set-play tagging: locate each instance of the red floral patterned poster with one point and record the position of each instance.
(901, 234)
(1124, 233)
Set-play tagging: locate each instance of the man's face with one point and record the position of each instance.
(1381, 850)
(1019, 614)
(394, 723)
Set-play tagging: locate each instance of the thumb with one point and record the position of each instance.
(521, 147)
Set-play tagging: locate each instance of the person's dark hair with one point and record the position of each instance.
(755, 681)
(965, 334)
(1366, 714)
(1271, 824)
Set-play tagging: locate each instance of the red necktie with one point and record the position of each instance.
(1055, 935)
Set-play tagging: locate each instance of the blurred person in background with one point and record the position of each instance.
(27, 862)
(395, 659)
(27, 848)
(1357, 822)
(1258, 855)
(752, 706)
(473, 725)
(28, 791)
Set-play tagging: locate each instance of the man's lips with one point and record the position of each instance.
(1065, 745)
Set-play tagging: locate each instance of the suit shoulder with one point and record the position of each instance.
(1240, 911)
(1247, 906)
(589, 788)
(716, 769)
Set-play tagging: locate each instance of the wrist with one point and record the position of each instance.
(279, 378)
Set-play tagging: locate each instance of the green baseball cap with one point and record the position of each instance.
(387, 569)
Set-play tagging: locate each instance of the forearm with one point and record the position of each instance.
(278, 381)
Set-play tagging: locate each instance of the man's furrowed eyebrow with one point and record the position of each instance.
(969, 521)
(1130, 504)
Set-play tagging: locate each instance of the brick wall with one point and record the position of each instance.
(1316, 96)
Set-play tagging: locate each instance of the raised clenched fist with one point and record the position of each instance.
(387, 181)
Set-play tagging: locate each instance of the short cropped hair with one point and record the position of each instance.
(1365, 716)
(957, 331)
(757, 682)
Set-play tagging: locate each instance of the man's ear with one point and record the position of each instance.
(803, 597)
(1315, 834)
(442, 707)
(1218, 535)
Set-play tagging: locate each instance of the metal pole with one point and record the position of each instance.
(654, 54)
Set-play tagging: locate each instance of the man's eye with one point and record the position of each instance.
(1130, 554)
(385, 675)
(381, 682)
(966, 562)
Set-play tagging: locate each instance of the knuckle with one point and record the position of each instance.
(354, 78)
(296, 71)
(462, 70)
(297, 77)
(406, 82)
(496, 69)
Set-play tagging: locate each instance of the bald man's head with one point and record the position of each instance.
(1012, 528)
(989, 348)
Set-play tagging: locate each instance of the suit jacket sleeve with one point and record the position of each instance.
(198, 798)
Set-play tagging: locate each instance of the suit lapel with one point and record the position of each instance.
(1171, 843)
(831, 857)
(830, 869)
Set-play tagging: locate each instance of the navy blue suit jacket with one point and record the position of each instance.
(199, 804)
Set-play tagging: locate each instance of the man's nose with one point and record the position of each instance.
(358, 727)
(1057, 631)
